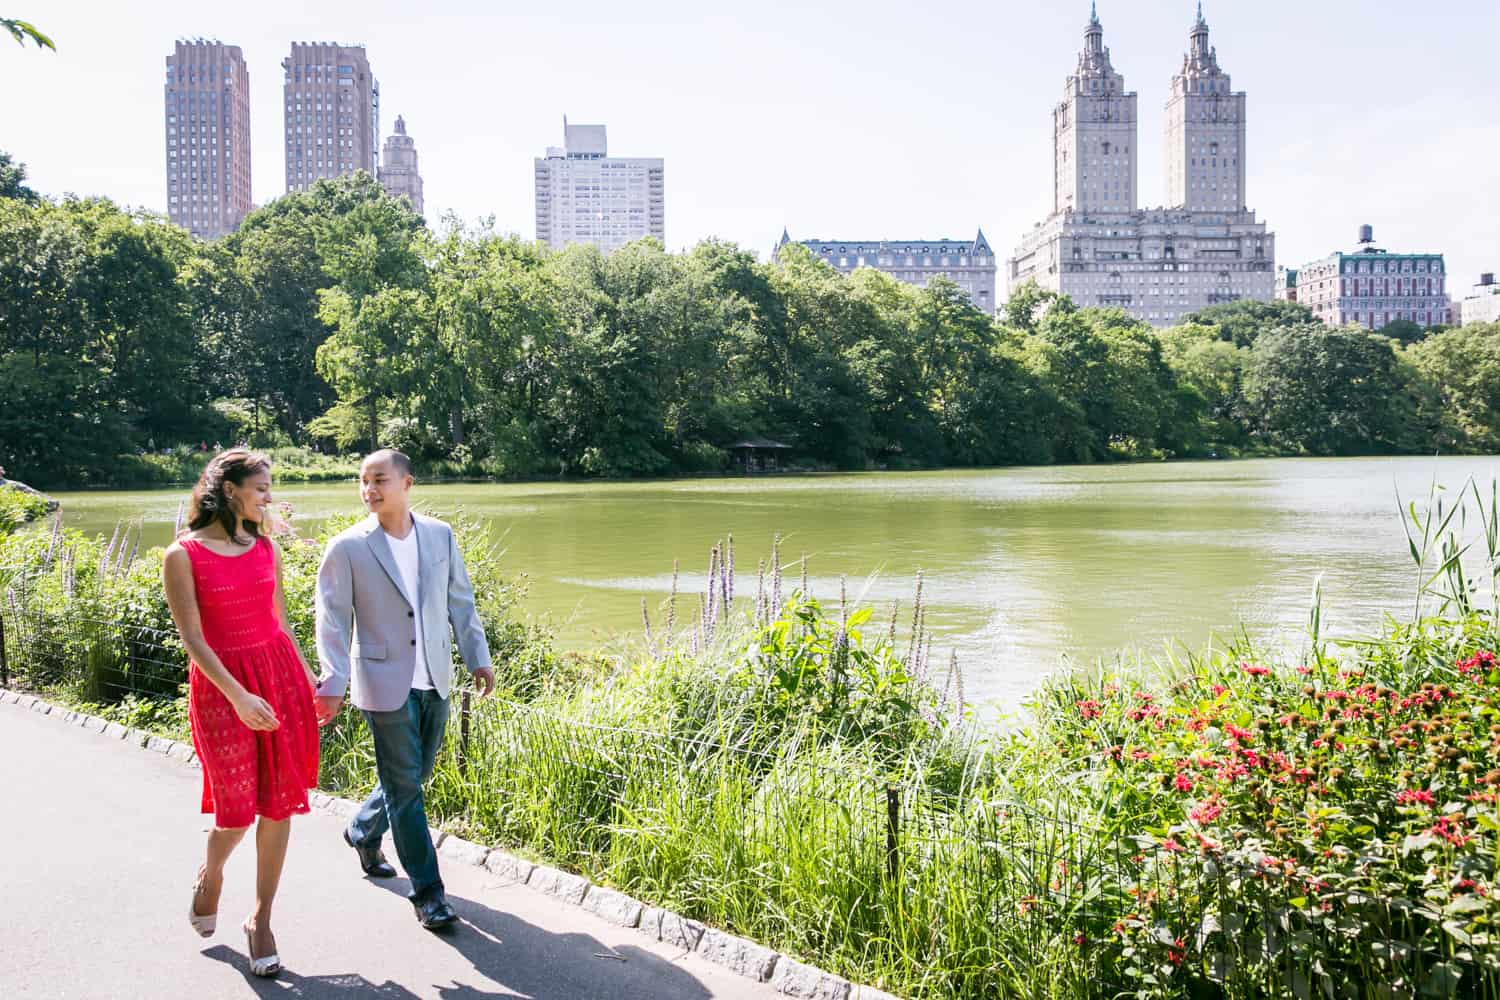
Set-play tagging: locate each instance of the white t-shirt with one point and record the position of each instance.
(407, 561)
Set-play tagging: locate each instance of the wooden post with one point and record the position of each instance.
(463, 733)
(892, 829)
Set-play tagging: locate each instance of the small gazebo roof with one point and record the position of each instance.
(757, 444)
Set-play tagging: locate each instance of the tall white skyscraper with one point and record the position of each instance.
(332, 113)
(208, 137)
(584, 195)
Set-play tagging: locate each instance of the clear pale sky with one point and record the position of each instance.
(852, 120)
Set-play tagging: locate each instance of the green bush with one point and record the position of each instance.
(17, 507)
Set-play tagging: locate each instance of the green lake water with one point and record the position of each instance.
(1023, 567)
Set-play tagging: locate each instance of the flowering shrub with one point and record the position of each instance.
(1318, 828)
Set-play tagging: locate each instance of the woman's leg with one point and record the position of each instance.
(271, 838)
(221, 843)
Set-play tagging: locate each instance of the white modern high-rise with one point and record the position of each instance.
(208, 137)
(1159, 264)
(584, 195)
(332, 113)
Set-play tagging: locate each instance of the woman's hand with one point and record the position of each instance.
(256, 713)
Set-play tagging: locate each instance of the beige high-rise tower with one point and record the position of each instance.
(208, 137)
(332, 108)
(1094, 134)
(1205, 132)
(398, 166)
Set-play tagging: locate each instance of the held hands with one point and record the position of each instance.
(327, 707)
(256, 713)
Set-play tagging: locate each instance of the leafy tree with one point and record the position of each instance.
(347, 233)
(1403, 331)
(13, 179)
(22, 30)
(1462, 368)
(1326, 392)
(1242, 321)
(1210, 371)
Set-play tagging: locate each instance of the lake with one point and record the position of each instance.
(1024, 567)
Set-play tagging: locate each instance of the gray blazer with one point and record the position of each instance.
(361, 605)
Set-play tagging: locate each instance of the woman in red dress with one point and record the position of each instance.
(250, 691)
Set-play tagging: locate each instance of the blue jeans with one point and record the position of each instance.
(406, 745)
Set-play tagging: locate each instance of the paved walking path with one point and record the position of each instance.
(99, 844)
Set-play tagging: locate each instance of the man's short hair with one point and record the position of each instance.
(398, 459)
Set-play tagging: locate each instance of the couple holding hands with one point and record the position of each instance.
(392, 596)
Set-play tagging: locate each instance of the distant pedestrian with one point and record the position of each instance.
(250, 692)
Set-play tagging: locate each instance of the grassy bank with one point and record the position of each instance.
(1243, 823)
(18, 507)
(184, 464)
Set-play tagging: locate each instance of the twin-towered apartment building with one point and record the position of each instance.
(331, 116)
(1203, 246)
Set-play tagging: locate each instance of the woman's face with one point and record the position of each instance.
(251, 498)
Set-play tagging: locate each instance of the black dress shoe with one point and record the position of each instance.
(434, 913)
(371, 860)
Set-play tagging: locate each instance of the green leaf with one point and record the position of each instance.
(1443, 980)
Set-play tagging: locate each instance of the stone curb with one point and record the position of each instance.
(785, 975)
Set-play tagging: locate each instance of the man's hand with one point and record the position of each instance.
(328, 706)
(484, 681)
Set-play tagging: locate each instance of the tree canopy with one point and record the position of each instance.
(334, 317)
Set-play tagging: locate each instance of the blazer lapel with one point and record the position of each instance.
(375, 539)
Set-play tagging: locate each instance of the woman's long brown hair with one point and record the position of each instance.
(209, 504)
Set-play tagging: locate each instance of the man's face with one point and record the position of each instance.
(381, 488)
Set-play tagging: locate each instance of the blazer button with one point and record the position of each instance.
(414, 642)
(411, 614)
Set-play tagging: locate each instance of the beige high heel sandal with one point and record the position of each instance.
(265, 966)
(204, 924)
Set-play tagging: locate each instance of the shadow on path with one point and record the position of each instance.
(289, 984)
(544, 965)
(524, 960)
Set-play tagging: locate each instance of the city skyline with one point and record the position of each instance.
(793, 117)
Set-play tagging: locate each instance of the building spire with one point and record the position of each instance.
(1094, 13)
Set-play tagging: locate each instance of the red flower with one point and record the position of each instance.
(1255, 670)
(1183, 782)
(1090, 709)
(1415, 796)
(1205, 812)
(1450, 828)
(1171, 846)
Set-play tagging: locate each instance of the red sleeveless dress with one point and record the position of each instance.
(248, 773)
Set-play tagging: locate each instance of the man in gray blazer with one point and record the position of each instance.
(389, 589)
